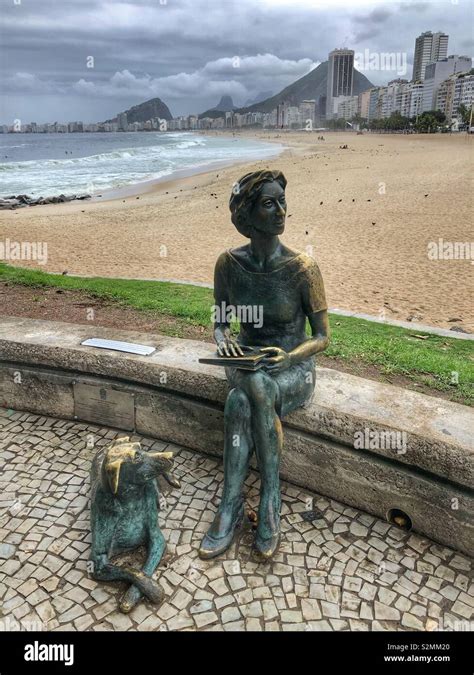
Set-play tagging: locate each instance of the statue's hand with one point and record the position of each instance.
(229, 347)
(279, 361)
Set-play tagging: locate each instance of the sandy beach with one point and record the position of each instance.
(367, 213)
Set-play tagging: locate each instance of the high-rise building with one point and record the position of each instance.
(399, 96)
(282, 114)
(294, 119)
(437, 72)
(122, 121)
(364, 103)
(416, 99)
(340, 79)
(348, 107)
(428, 47)
(308, 111)
(374, 95)
(393, 97)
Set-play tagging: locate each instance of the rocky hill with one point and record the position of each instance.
(310, 86)
(142, 112)
(226, 104)
(260, 97)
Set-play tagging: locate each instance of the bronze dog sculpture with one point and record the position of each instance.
(124, 515)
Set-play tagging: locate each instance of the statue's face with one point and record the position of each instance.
(269, 212)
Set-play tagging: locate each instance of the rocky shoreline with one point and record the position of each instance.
(19, 201)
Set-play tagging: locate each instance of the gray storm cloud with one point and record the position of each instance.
(185, 50)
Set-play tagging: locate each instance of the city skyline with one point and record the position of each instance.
(136, 53)
(407, 97)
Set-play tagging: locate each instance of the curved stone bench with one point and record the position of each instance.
(336, 445)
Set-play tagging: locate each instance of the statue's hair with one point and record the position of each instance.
(246, 192)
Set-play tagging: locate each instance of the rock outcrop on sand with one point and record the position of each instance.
(19, 201)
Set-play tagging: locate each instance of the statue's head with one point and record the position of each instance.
(126, 464)
(258, 203)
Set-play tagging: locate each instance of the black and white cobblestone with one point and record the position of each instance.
(337, 568)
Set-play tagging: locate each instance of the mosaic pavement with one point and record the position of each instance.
(337, 568)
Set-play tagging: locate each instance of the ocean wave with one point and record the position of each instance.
(190, 144)
(119, 166)
(126, 153)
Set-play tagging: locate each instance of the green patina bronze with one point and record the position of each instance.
(124, 515)
(280, 290)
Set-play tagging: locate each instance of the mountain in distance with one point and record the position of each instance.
(143, 112)
(226, 104)
(310, 86)
(259, 98)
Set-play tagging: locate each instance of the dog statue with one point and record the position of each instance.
(124, 515)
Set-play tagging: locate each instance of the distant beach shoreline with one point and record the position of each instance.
(171, 179)
(177, 177)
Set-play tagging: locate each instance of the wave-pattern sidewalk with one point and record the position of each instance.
(337, 568)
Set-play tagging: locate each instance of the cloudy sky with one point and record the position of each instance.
(89, 59)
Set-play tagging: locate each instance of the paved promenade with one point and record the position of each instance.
(337, 568)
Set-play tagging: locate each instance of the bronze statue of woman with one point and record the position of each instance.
(287, 288)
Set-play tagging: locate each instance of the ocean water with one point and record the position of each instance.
(51, 164)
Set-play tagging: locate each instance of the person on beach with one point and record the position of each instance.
(288, 289)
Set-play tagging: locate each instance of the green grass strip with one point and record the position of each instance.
(437, 361)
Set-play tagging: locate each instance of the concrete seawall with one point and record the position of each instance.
(428, 474)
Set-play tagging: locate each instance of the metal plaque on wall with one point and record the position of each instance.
(104, 405)
(117, 345)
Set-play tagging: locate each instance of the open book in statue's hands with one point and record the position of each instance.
(253, 359)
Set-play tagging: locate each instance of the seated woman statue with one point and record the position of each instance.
(287, 288)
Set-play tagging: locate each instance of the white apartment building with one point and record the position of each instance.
(308, 111)
(398, 96)
(294, 119)
(393, 97)
(439, 71)
(364, 104)
(383, 104)
(463, 93)
(270, 119)
(374, 95)
(348, 108)
(455, 91)
(416, 99)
